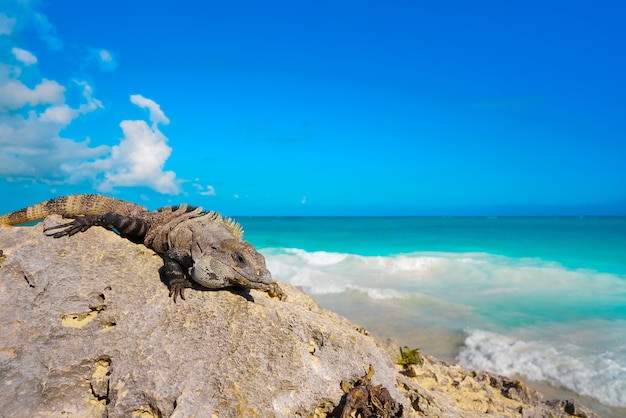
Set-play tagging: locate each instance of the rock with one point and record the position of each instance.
(88, 330)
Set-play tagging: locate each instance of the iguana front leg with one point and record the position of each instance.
(176, 264)
(133, 229)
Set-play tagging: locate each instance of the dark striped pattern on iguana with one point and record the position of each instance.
(195, 245)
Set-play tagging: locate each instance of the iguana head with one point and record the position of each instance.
(231, 263)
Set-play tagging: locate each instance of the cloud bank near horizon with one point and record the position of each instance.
(35, 112)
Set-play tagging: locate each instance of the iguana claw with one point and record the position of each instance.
(79, 224)
(175, 292)
(177, 287)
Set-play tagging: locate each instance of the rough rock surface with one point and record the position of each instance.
(88, 330)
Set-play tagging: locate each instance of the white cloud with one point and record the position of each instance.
(156, 114)
(31, 120)
(138, 160)
(105, 55)
(6, 24)
(24, 56)
(63, 114)
(207, 190)
(103, 58)
(34, 113)
(15, 95)
(30, 124)
(47, 32)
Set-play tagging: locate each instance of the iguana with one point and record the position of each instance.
(196, 245)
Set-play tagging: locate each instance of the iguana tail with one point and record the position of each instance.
(73, 205)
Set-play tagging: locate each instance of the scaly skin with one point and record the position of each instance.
(195, 245)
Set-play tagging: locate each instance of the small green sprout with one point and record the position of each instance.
(408, 356)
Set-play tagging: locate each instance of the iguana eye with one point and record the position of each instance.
(239, 259)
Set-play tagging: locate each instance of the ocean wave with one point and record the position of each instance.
(321, 272)
(599, 374)
(529, 316)
(466, 278)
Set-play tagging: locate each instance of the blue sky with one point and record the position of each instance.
(317, 108)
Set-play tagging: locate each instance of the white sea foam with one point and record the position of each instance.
(472, 278)
(600, 374)
(563, 326)
(317, 258)
(323, 272)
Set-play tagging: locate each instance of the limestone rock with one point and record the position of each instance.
(88, 330)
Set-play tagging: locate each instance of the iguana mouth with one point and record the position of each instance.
(240, 278)
(221, 270)
(260, 277)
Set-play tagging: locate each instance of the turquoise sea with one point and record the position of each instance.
(543, 299)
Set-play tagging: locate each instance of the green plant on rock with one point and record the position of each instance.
(408, 356)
